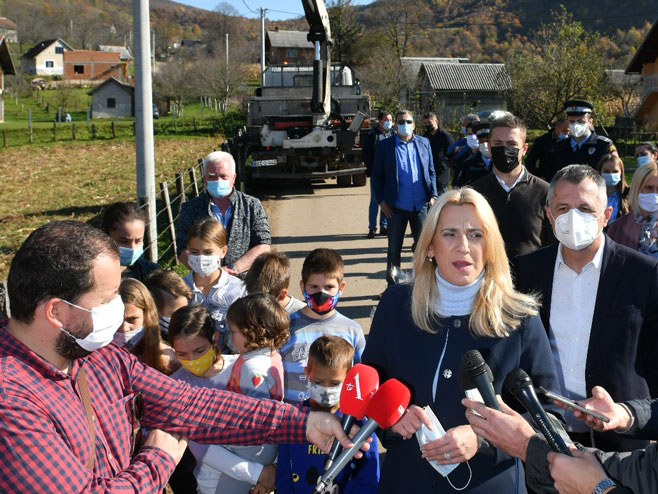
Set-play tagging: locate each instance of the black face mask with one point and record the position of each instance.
(505, 158)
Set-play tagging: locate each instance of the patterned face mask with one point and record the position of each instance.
(321, 302)
(324, 396)
(200, 365)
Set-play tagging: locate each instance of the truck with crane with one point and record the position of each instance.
(305, 122)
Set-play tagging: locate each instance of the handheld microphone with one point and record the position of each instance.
(359, 385)
(474, 373)
(386, 407)
(519, 384)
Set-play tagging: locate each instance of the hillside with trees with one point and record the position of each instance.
(537, 40)
(481, 30)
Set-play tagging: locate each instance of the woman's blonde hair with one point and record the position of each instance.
(148, 348)
(498, 308)
(642, 174)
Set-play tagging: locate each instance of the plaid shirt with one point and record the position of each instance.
(44, 436)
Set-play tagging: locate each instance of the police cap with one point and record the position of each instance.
(578, 107)
(481, 129)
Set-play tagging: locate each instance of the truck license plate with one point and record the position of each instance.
(256, 163)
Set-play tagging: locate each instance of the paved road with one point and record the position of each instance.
(306, 216)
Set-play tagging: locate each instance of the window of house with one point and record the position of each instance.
(291, 52)
(111, 103)
(50, 64)
(59, 50)
(78, 69)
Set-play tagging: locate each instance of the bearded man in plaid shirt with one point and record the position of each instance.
(67, 396)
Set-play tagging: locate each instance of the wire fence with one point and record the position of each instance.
(170, 198)
(105, 130)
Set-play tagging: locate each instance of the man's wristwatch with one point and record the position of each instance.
(602, 486)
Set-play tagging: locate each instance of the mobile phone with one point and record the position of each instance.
(572, 405)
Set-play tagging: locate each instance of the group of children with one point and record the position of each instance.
(212, 329)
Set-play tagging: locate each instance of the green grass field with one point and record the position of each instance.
(14, 131)
(75, 180)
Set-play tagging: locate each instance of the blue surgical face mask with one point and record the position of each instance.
(611, 179)
(562, 136)
(388, 125)
(219, 188)
(128, 257)
(643, 160)
(405, 129)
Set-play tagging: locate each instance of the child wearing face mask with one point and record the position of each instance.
(140, 333)
(300, 465)
(125, 223)
(211, 285)
(195, 341)
(258, 326)
(170, 293)
(322, 284)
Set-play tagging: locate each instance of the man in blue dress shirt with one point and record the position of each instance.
(404, 183)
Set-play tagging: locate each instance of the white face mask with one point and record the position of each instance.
(106, 319)
(578, 129)
(326, 397)
(577, 230)
(472, 141)
(484, 149)
(129, 338)
(204, 265)
(648, 202)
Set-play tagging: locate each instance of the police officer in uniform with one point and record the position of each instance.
(478, 162)
(583, 145)
(539, 160)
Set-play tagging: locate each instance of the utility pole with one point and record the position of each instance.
(227, 72)
(145, 160)
(152, 50)
(262, 47)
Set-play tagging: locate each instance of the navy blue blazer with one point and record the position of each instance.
(385, 169)
(622, 355)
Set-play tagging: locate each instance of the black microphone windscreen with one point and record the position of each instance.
(516, 380)
(472, 365)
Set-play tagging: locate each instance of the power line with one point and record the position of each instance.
(249, 8)
(284, 12)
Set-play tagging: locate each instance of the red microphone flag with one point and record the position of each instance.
(389, 403)
(359, 386)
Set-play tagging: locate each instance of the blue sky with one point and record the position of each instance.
(278, 9)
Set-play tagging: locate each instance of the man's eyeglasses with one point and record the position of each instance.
(402, 122)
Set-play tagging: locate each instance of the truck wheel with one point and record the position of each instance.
(359, 180)
(343, 180)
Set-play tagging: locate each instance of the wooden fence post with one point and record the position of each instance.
(114, 132)
(4, 138)
(93, 131)
(195, 186)
(73, 131)
(180, 188)
(149, 243)
(54, 131)
(164, 190)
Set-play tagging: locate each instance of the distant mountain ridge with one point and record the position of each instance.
(481, 30)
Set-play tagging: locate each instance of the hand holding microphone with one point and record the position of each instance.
(358, 388)
(519, 384)
(386, 407)
(475, 377)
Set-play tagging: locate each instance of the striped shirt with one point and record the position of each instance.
(303, 332)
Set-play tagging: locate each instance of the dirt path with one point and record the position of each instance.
(304, 217)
